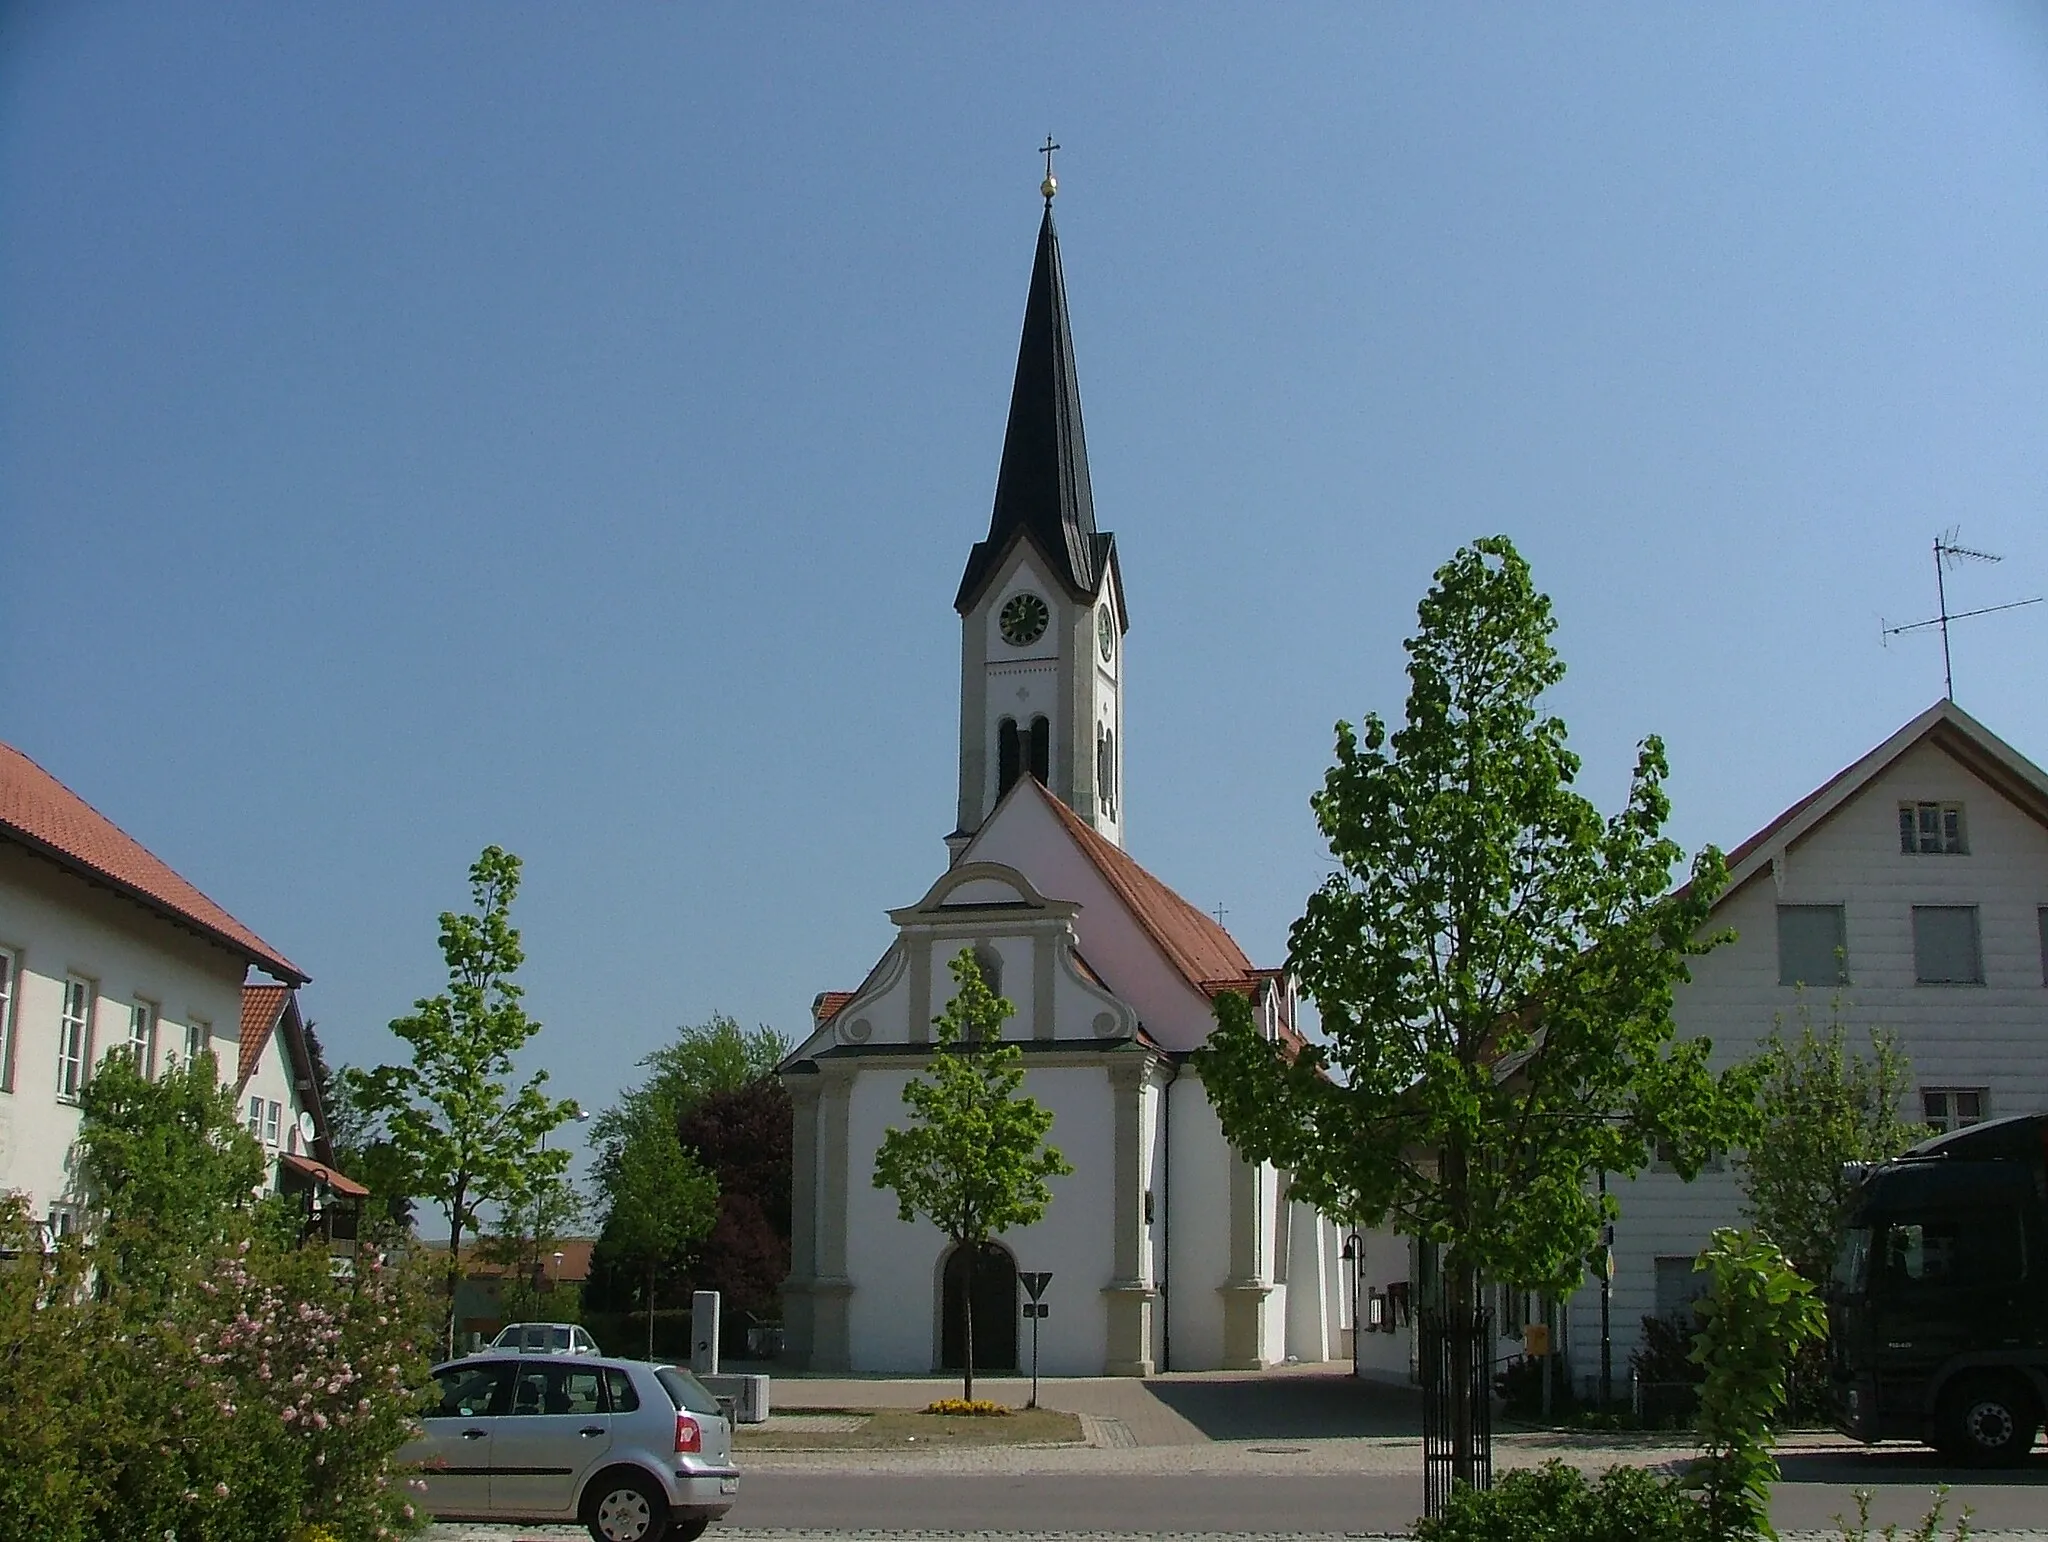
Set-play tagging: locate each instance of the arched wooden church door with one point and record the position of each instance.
(993, 1294)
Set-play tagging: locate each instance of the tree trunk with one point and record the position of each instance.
(1460, 1303)
(650, 1306)
(454, 1285)
(967, 1321)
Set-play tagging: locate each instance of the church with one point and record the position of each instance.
(1167, 1250)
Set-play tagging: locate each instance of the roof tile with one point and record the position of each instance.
(48, 817)
(1194, 943)
(262, 1005)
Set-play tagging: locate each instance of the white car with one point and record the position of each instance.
(636, 1452)
(541, 1338)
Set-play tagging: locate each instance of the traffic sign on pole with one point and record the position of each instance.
(1035, 1309)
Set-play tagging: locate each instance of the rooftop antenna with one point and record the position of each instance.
(1947, 553)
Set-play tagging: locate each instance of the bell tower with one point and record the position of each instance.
(1041, 604)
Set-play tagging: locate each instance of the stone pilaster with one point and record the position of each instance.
(1245, 1292)
(1131, 1293)
(797, 1320)
(831, 1337)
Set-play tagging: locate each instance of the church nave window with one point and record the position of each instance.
(1009, 755)
(1041, 751)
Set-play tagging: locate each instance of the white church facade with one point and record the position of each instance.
(1167, 1250)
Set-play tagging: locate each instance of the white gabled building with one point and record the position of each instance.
(1910, 891)
(1912, 888)
(104, 949)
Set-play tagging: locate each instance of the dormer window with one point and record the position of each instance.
(1932, 829)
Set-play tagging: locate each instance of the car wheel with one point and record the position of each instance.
(626, 1507)
(1987, 1421)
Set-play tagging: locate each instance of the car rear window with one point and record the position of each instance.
(686, 1391)
(620, 1387)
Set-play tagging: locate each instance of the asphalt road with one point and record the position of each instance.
(1816, 1490)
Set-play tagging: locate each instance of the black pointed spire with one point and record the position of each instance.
(1042, 487)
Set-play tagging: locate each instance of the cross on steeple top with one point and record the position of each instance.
(1051, 184)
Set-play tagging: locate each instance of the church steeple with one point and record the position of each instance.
(1041, 603)
(1042, 486)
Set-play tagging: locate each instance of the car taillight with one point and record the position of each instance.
(688, 1436)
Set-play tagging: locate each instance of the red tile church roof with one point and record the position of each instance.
(1194, 943)
(50, 819)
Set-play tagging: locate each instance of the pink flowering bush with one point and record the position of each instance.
(246, 1397)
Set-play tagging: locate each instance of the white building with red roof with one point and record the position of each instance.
(1167, 1250)
(104, 949)
(1907, 893)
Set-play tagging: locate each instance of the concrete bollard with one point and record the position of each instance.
(704, 1333)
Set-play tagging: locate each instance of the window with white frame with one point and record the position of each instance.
(1932, 829)
(1945, 945)
(198, 1039)
(256, 1117)
(7, 992)
(142, 1038)
(1813, 945)
(1950, 1108)
(74, 1037)
(273, 1116)
(61, 1222)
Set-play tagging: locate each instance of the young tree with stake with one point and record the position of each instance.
(974, 1161)
(1493, 966)
(455, 1126)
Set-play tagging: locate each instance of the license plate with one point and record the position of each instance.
(728, 1485)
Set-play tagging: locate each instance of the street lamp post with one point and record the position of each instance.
(1354, 1255)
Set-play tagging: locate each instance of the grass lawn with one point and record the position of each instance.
(895, 1429)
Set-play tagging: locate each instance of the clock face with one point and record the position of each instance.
(1023, 619)
(1105, 633)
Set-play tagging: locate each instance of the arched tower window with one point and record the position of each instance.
(1105, 770)
(1041, 750)
(1009, 755)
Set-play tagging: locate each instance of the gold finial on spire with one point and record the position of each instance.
(1051, 184)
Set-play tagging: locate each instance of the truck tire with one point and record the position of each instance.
(1987, 1421)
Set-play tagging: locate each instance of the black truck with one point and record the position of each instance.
(1938, 1309)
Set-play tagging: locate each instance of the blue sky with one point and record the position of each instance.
(565, 426)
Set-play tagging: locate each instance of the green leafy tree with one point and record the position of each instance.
(658, 1200)
(460, 1133)
(703, 1059)
(364, 1151)
(1493, 965)
(1819, 1106)
(522, 1241)
(647, 1235)
(168, 1167)
(974, 1161)
(1754, 1318)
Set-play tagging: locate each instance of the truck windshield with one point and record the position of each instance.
(1852, 1263)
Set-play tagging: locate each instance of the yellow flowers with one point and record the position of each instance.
(980, 1407)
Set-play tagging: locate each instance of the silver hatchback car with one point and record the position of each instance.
(636, 1452)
